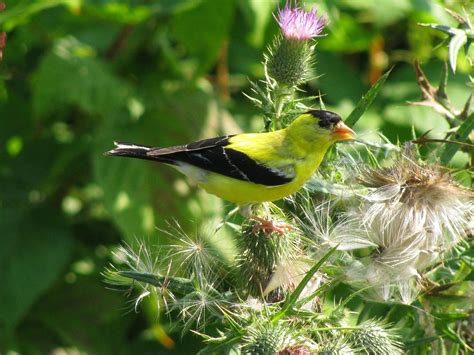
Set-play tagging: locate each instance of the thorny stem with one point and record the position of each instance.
(278, 108)
(281, 95)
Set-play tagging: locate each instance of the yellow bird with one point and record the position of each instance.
(250, 168)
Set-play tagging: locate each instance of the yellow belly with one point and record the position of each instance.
(241, 192)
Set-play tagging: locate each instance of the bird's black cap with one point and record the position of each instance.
(327, 119)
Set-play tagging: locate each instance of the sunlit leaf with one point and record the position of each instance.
(456, 42)
(22, 12)
(366, 101)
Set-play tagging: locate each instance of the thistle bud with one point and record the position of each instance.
(289, 61)
(374, 338)
(266, 338)
(260, 254)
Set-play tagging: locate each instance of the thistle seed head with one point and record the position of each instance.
(417, 199)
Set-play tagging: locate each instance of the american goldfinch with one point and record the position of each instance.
(252, 167)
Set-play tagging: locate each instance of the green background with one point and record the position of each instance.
(78, 74)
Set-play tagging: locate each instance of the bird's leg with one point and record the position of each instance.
(264, 224)
(270, 226)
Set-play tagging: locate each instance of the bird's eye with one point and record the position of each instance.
(326, 119)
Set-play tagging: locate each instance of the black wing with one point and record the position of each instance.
(194, 146)
(212, 154)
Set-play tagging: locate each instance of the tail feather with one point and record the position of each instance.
(131, 150)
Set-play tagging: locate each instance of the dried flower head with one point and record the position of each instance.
(201, 307)
(298, 24)
(193, 254)
(420, 201)
(414, 213)
(326, 229)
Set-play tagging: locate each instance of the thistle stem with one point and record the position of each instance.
(282, 96)
(278, 108)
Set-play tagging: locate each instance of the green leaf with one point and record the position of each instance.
(258, 13)
(442, 28)
(348, 36)
(456, 42)
(451, 317)
(293, 298)
(175, 284)
(333, 80)
(202, 31)
(22, 12)
(366, 101)
(382, 13)
(462, 134)
(35, 249)
(132, 15)
(453, 335)
(419, 342)
(71, 74)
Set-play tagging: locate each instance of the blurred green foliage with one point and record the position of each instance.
(78, 74)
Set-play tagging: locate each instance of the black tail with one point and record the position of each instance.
(132, 151)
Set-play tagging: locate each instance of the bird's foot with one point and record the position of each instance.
(270, 226)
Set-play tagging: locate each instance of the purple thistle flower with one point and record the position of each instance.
(298, 24)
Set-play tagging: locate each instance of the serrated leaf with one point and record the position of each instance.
(366, 101)
(462, 134)
(456, 42)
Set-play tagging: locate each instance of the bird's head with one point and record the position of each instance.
(320, 127)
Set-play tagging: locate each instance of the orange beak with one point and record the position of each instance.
(342, 132)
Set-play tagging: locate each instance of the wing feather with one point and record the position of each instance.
(212, 155)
